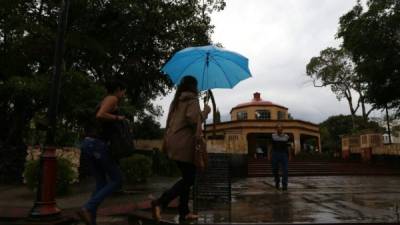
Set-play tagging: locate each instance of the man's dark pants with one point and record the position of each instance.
(280, 159)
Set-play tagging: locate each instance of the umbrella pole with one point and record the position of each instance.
(205, 121)
(214, 112)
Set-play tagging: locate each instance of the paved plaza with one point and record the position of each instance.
(333, 199)
(350, 199)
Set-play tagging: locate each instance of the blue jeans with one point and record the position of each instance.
(96, 153)
(280, 159)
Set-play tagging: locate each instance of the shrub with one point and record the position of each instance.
(164, 166)
(136, 168)
(11, 163)
(65, 175)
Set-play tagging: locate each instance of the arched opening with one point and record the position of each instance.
(259, 145)
(309, 143)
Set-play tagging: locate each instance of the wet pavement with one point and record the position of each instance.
(310, 200)
(342, 199)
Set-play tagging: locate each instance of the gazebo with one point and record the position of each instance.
(252, 125)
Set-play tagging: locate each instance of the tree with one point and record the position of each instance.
(335, 126)
(147, 128)
(372, 36)
(335, 68)
(104, 39)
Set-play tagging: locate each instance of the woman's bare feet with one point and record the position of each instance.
(156, 211)
(191, 216)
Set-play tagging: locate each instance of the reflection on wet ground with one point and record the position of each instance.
(309, 199)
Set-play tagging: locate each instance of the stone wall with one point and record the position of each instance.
(70, 153)
(216, 146)
(367, 145)
(393, 149)
(73, 154)
(148, 144)
(213, 146)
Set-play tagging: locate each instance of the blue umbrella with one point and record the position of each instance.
(213, 67)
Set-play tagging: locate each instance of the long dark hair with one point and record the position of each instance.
(187, 84)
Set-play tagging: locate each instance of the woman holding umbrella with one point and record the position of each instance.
(209, 67)
(179, 145)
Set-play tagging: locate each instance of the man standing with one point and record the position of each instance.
(259, 153)
(280, 153)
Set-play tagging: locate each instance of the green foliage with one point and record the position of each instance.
(31, 174)
(79, 99)
(65, 175)
(164, 166)
(335, 126)
(147, 128)
(136, 168)
(12, 163)
(372, 37)
(335, 68)
(103, 40)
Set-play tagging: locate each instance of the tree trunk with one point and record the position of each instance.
(388, 124)
(364, 113)
(361, 101)
(353, 121)
(352, 110)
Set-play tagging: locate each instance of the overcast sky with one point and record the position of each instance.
(279, 38)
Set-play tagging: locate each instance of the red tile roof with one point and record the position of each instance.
(257, 101)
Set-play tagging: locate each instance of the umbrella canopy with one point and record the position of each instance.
(213, 67)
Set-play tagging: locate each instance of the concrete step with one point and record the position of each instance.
(264, 168)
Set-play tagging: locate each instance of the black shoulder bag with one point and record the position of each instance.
(121, 140)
